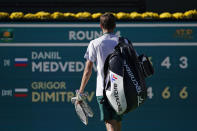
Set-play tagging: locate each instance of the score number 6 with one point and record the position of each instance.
(183, 94)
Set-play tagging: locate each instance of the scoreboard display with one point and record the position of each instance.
(41, 65)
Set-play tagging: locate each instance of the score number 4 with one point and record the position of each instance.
(183, 59)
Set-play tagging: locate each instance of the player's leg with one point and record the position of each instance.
(119, 125)
(109, 116)
(113, 125)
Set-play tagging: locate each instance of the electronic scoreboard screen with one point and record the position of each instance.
(41, 66)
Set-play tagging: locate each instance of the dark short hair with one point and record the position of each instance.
(108, 21)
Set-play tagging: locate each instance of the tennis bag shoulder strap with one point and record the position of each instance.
(124, 80)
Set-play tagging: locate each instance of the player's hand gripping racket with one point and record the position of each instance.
(82, 109)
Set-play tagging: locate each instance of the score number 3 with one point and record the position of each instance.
(183, 65)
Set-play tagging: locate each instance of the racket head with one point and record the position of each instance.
(80, 112)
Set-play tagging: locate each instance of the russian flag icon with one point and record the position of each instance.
(20, 62)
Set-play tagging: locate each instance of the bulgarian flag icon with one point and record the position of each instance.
(21, 92)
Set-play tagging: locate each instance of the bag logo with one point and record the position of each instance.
(113, 77)
(117, 97)
(132, 77)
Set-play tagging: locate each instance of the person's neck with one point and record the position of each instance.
(107, 31)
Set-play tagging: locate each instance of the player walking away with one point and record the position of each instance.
(97, 51)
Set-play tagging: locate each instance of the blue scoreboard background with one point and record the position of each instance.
(41, 65)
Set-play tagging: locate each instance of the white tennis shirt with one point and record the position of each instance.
(97, 51)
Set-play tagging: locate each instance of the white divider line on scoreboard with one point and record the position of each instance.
(97, 25)
(166, 44)
(86, 44)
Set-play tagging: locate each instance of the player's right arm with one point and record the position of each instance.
(86, 75)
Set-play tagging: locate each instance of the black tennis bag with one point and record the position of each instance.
(124, 78)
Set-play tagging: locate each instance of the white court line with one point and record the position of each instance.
(97, 25)
(21, 90)
(86, 44)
